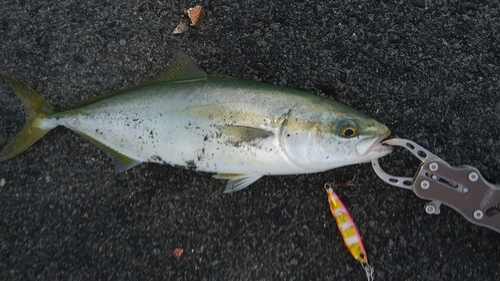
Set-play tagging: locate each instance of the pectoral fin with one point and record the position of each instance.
(237, 181)
(244, 133)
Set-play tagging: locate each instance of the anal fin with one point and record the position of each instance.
(120, 161)
(237, 181)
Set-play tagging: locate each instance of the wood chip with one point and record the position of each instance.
(182, 27)
(178, 252)
(195, 14)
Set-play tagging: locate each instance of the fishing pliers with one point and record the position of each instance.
(462, 188)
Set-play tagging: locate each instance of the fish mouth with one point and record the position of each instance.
(373, 148)
(378, 150)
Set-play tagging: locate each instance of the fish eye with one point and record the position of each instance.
(348, 128)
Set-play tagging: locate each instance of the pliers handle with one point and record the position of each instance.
(462, 188)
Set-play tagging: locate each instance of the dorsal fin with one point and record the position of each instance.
(182, 68)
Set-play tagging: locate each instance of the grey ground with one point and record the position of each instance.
(428, 69)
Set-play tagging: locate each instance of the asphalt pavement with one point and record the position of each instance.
(429, 70)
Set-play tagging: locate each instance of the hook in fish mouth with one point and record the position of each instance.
(380, 150)
(374, 145)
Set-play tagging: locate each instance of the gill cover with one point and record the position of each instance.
(298, 139)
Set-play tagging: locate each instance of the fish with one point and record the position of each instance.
(238, 129)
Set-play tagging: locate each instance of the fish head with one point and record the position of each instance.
(334, 138)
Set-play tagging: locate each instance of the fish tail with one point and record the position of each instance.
(36, 111)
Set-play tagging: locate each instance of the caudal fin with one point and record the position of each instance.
(36, 109)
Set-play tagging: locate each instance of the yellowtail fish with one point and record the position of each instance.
(240, 130)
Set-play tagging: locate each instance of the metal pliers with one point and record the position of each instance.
(461, 188)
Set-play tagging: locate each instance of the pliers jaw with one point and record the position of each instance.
(403, 182)
(461, 188)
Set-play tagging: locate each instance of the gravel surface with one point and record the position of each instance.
(429, 70)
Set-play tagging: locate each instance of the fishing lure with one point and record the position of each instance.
(348, 229)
